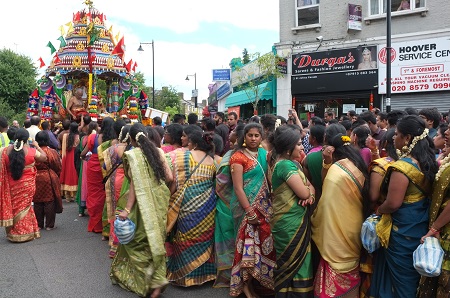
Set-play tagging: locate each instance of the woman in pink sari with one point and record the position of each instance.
(17, 188)
(69, 176)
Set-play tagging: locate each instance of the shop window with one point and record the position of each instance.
(307, 12)
(378, 7)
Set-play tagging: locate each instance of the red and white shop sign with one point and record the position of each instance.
(417, 66)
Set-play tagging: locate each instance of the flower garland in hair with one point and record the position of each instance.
(126, 138)
(138, 135)
(15, 145)
(413, 144)
(120, 134)
(277, 123)
(346, 140)
(445, 163)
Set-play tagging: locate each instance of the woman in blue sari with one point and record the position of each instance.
(251, 207)
(407, 185)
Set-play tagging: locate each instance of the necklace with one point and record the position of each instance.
(253, 154)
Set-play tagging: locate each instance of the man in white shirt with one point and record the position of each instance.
(34, 128)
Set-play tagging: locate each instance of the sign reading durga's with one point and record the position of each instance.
(417, 66)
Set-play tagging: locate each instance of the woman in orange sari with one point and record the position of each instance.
(17, 187)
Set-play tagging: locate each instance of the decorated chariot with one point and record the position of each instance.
(88, 74)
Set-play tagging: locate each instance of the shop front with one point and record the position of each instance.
(265, 92)
(335, 80)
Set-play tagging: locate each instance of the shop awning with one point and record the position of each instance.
(265, 91)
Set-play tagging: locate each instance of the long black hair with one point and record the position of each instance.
(42, 139)
(118, 124)
(423, 150)
(285, 138)
(343, 150)
(16, 156)
(73, 132)
(268, 122)
(362, 132)
(247, 128)
(203, 141)
(149, 150)
(108, 132)
(387, 140)
(153, 136)
(175, 130)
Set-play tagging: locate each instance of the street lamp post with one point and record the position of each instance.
(195, 93)
(388, 56)
(153, 67)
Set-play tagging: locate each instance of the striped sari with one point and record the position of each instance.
(190, 221)
(291, 231)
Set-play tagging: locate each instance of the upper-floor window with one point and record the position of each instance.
(307, 12)
(378, 7)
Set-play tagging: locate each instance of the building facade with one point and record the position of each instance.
(336, 55)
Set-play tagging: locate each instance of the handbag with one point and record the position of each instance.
(428, 257)
(124, 230)
(369, 237)
(57, 202)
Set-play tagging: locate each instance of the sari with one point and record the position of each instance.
(16, 196)
(69, 177)
(82, 180)
(95, 200)
(190, 222)
(400, 232)
(140, 266)
(336, 230)
(112, 190)
(291, 231)
(254, 253)
(47, 188)
(103, 147)
(224, 233)
(439, 286)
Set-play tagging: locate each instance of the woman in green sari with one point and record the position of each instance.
(291, 229)
(140, 265)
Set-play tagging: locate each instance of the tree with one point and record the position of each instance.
(168, 97)
(262, 69)
(245, 57)
(17, 81)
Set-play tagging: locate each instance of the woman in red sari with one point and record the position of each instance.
(69, 176)
(47, 184)
(17, 187)
(96, 195)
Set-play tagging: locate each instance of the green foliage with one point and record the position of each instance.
(261, 69)
(17, 80)
(172, 111)
(7, 112)
(245, 57)
(168, 97)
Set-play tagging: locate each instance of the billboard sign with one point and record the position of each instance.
(221, 74)
(417, 66)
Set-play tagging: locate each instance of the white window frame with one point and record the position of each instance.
(298, 8)
(381, 11)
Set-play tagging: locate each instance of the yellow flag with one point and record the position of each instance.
(61, 28)
(70, 30)
(69, 24)
(110, 29)
(117, 36)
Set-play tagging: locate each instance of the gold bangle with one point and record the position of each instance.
(326, 166)
(127, 210)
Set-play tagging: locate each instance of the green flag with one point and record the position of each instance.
(52, 48)
(63, 42)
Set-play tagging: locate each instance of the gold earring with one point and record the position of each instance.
(405, 148)
(244, 145)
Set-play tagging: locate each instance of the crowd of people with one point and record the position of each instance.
(268, 206)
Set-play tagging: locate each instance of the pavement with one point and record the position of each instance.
(69, 262)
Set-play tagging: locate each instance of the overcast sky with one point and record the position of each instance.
(190, 36)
